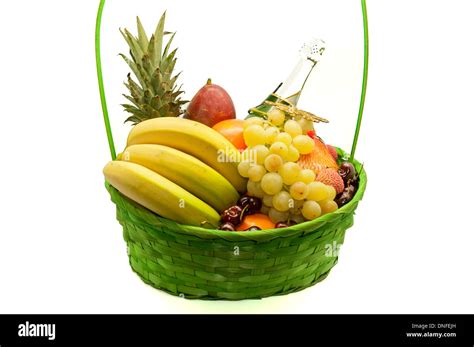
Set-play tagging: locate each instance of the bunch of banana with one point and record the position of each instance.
(179, 169)
(195, 139)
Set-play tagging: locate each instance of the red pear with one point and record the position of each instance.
(211, 105)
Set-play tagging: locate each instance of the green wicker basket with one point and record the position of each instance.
(211, 264)
(198, 263)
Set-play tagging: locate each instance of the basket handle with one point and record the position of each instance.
(364, 79)
(104, 102)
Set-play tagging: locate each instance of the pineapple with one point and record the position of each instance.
(156, 94)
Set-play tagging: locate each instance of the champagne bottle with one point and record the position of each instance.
(290, 90)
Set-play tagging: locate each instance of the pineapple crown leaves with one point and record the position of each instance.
(155, 92)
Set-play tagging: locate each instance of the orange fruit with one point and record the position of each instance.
(260, 220)
(232, 130)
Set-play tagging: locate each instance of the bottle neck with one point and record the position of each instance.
(291, 89)
(293, 86)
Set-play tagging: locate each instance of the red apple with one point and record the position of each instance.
(211, 105)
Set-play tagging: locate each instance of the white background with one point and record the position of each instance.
(410, 250)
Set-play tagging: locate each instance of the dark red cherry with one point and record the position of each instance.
(227, 227)
(347, 171)
(281, 225)
(232, 215)
(250, 204)
(346, 195)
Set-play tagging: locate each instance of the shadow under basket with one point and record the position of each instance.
(198, 263)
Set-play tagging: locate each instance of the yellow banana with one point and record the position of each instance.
(195, 139)
(159, 194)
(186, 171)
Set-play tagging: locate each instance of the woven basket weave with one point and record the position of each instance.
(198, 263)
